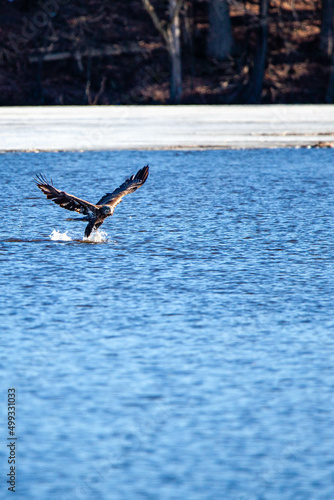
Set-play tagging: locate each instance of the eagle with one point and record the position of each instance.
(94, 214)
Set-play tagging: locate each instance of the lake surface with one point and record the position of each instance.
(189, 351)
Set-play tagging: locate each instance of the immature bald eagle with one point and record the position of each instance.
(95, 214)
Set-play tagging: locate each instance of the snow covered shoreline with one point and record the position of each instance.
(84, 128)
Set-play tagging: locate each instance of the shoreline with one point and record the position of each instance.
(183, 127)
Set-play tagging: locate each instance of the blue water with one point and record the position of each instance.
(187, 355)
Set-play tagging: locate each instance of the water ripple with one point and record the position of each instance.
(187, 346)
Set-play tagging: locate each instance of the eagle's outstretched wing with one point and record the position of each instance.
(129, 186)
(63, 199)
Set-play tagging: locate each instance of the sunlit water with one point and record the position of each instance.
(186, 350)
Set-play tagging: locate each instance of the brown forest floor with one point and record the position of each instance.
(297, 71)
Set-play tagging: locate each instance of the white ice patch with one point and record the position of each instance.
(97, 237)
(57, 236)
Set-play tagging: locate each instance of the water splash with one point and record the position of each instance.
(97, 237)
(57, 236)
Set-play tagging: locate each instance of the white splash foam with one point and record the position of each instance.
(57, 236)
(97, 237)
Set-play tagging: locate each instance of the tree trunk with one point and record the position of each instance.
(328, 45)
(174, 50)
(256, 80)
(220, 39)
(326, 33)
(188, 36)
(171, 35)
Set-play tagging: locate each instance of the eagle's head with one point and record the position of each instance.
(106, 210)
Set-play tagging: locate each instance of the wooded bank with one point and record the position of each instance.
(150, 51)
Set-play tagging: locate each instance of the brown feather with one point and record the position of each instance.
(129, 186)
(63, 199)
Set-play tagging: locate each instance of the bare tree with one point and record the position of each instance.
(220, 40)
(326, 33)
(327, 43)
(257, 74)
(171, 33)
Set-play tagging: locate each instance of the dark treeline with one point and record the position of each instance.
(180, 51)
